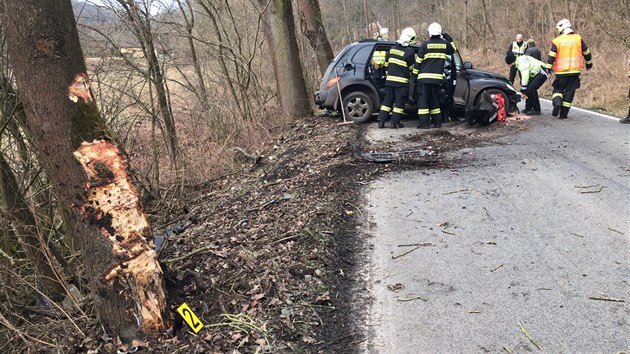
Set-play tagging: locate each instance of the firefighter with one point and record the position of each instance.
(533, 75)
(398, 61)
(627, 119)
(430, 69)
(517, 48)
(567, 56)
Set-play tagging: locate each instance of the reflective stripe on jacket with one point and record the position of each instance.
(568, 55)
(430, 60)
(517, 49)
(398, 61)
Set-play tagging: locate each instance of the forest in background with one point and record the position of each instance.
(189, 89)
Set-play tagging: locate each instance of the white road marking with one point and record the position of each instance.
(587, 111)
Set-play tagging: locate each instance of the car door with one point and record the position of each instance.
(461, 89)
(376, 70)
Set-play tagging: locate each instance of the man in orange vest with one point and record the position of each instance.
(567, 57)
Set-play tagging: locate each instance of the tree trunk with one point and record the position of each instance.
(87, 171)
(314, 30)
(285, 57)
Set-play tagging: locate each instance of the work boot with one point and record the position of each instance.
(556, 110)
(625, 120)
(381, 124)
(557, 104)
(564, 112)
(424, 123)
(396, 125)
(534, 113)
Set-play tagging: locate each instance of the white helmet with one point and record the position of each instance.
(407, 36)
(564, 26)
(434, 29)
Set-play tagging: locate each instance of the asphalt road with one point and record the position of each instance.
(531, 235)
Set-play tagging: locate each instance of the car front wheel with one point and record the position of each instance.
(493, 93)
(358, 107)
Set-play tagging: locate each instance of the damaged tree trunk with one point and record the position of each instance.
(87, 171)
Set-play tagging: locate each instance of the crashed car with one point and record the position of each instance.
(353, 73)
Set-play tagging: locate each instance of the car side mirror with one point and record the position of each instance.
(467, 65)
(348, 67)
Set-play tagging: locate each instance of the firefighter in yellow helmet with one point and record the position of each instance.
(567, 57)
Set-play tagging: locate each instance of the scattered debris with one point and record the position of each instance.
(384, 157)
(576, 235)
(396, 287)
(474, 311)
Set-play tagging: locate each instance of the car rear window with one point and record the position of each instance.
(362, 55)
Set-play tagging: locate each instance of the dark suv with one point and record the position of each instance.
(362, 85)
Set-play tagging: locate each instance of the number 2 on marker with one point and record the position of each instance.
(190, 318)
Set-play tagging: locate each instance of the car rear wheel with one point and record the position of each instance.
(493, 93)
(358, 106)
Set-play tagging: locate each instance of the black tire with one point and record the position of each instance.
(358, 106)
(492, 92)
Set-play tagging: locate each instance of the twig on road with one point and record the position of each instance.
(617, 231)
(507, 350)
(529, 337)
(606, 298)
(590, 191)
(412, 299)
(574, 234)
(416, 244)
(457, 191)
(406, 253)
(492, 270)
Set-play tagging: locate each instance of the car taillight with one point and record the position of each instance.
(332, 82)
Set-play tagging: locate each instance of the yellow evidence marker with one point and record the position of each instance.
(190, 317)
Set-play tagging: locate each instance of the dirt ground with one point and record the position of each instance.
(273, 251)
(269, 257)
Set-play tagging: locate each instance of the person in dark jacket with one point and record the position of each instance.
(399, 60)
(430, 69)
(532, 50)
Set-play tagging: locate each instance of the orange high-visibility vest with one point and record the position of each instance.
(569, 56)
